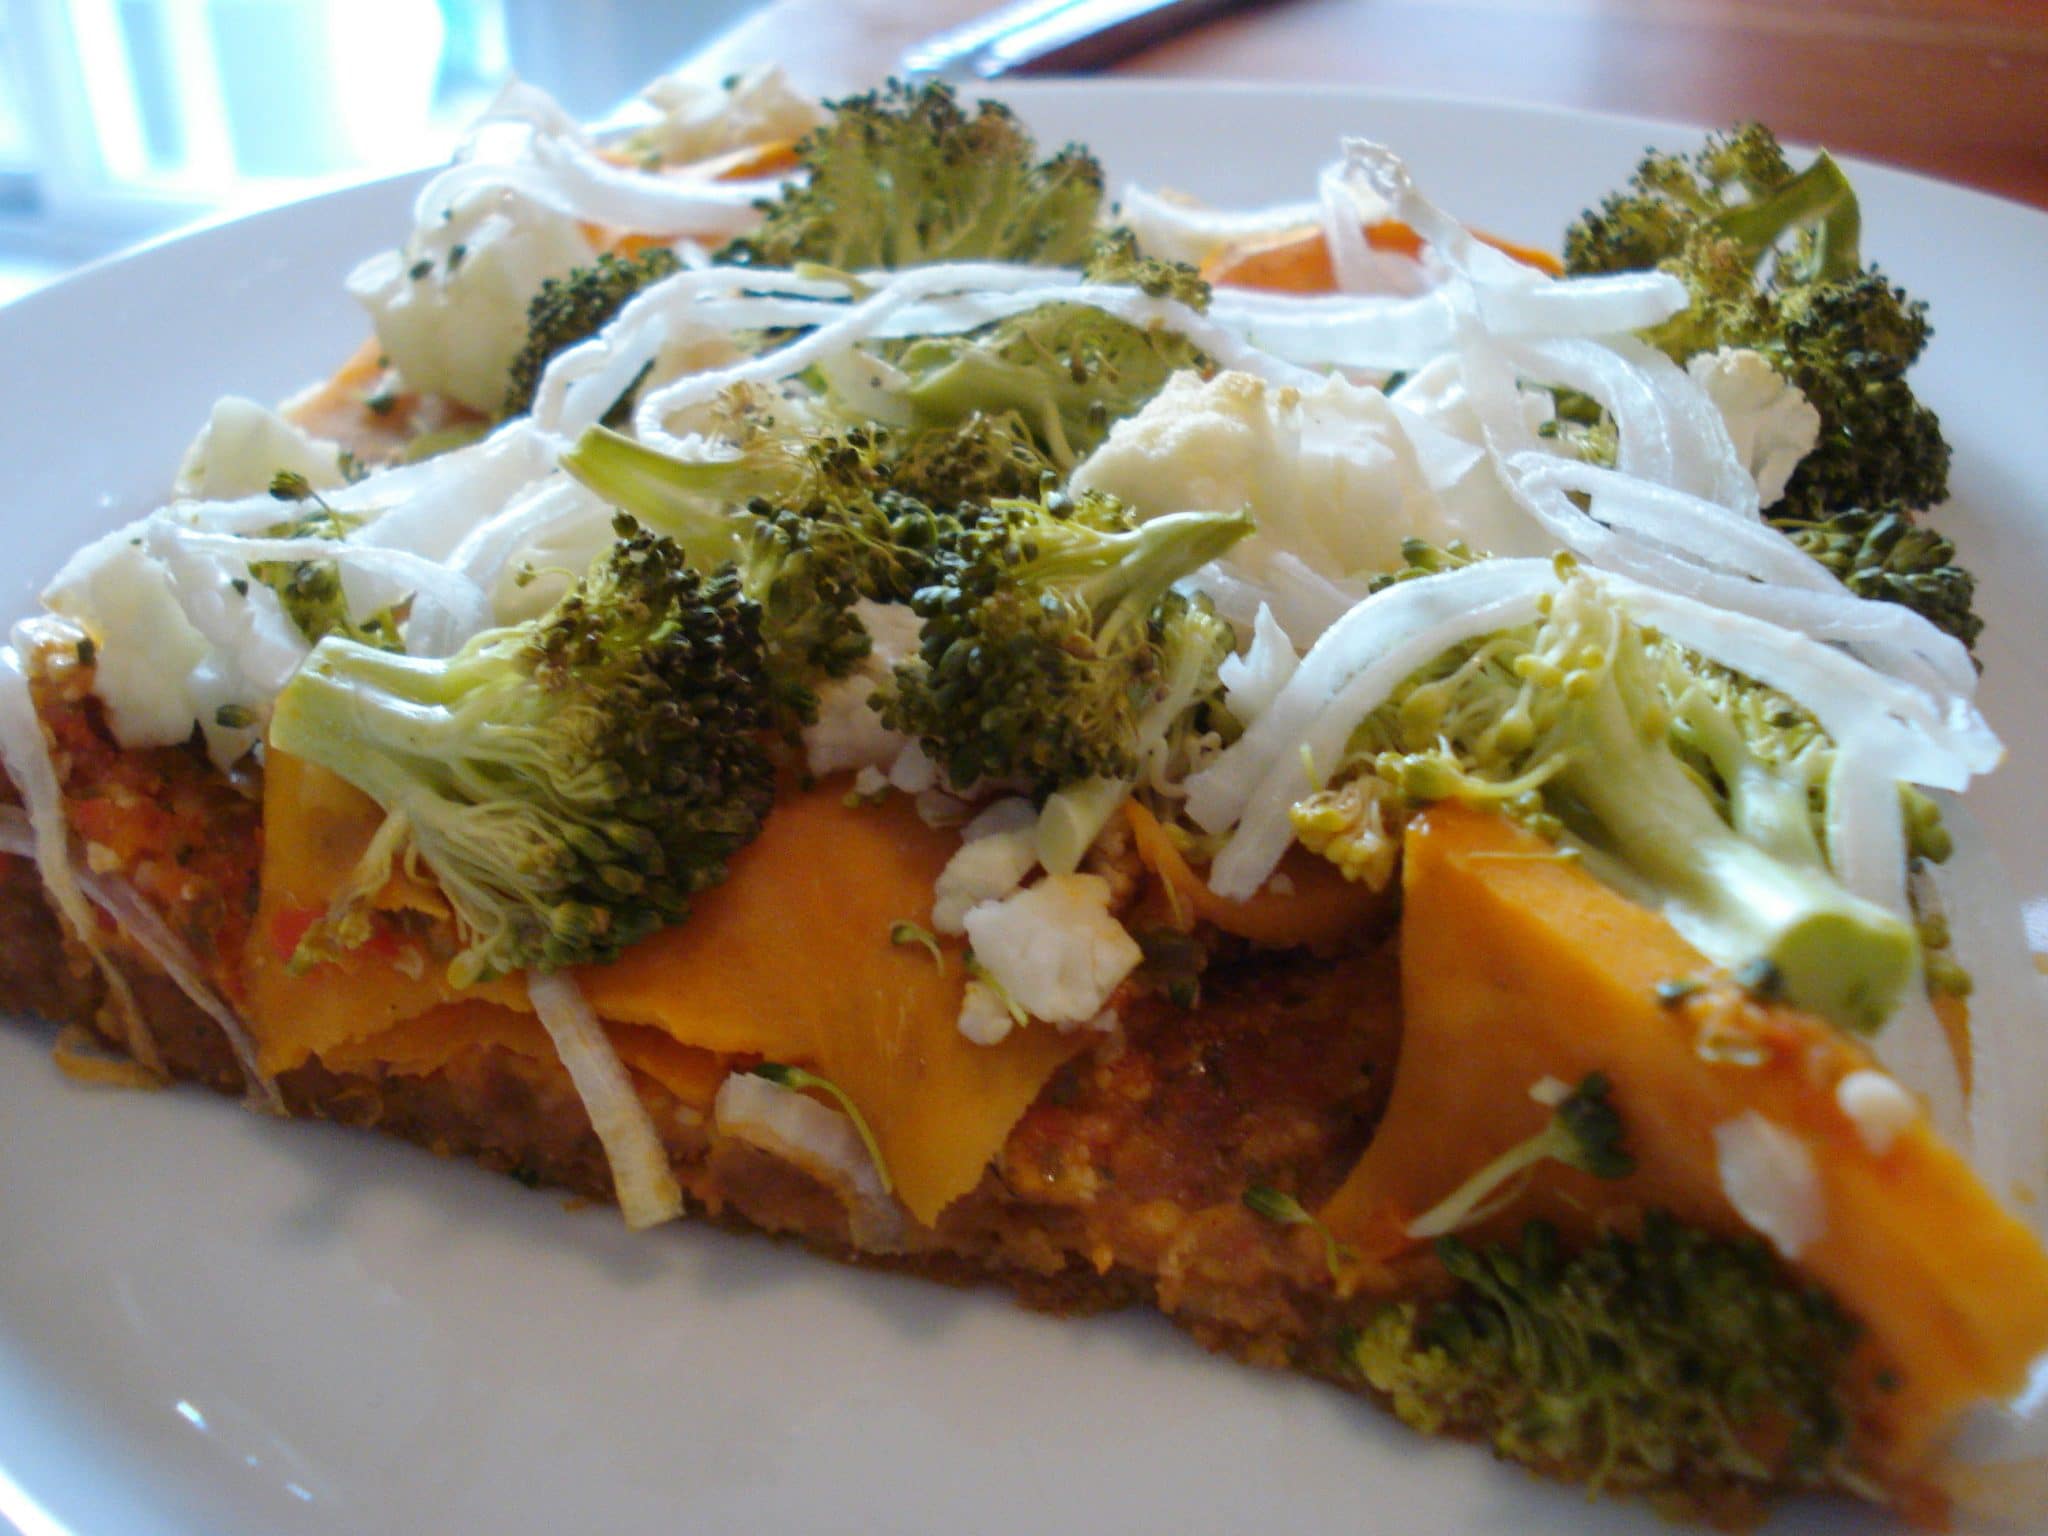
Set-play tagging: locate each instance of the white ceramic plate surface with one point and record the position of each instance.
(211, 1323)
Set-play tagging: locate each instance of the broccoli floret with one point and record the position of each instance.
(571, 309)
(1068, 371)
(810, 525)
(571, 782)
(1419, 558)
(1672, 1362)
(1048, 632)
(1116, 259)
(1772, 261)
(1888, 555)
(984, 458)
(1847, 345)
(1182, 716)
(310, 591)
(1568, 725)
(905, 176)
(1583, 1132)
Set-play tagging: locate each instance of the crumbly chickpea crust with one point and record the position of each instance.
(1123, 1184)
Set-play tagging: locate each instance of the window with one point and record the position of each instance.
(119, 118)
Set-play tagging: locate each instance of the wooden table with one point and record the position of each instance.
(1954, 88)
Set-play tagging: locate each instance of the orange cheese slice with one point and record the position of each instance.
(789, 960)
(315, 827)
(1516, 966)
(429, 1041)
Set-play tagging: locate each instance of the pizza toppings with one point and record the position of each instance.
(930, 477)
(571, 783)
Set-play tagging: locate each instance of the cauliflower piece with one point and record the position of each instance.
(848, 733)
(242, 448)
(998, 849)
(145, 647)
(450, 309)
(699, 120)
(1054, 948)
(1333, 474)
(1772, 424)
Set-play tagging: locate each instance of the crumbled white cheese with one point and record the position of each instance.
(450, 308)
(983, 1017)
(242, 448)
(1772, 425)
(848, 733)
(1877, 1106)
(1769, 1177)
(699, 119)
(1054, 947)
(913, 772)
(997, 850)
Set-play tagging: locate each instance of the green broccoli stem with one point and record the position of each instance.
(1492, 1187)
(1122, 577)
(1835, 954)
(402, 728)
(676, 497)
(1819, 198)
(1072, 816)
(1583, 1132)
(1771, 809)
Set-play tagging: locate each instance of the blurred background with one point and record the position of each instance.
(120, 119)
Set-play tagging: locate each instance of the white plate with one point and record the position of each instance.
(212, 1323)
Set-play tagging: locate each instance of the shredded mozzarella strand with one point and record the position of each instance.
(646, 1188)
(526, 144)
(819, 1139)
(2008, 1034)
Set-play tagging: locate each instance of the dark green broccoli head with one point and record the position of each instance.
(1771, 259)
(1847, 345)
(1684, 1365)
(981, 458)
(1116, 259)
(1590, 1132)
(1044, 638)
(574, 308)
(1890, 556)
(1067, 371)
(570, 782)
(906, 176)
(811, 525)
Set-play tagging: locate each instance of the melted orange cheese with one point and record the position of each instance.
(1516, 966)
(790, 960)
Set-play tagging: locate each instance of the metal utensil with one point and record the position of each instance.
(1044, 37)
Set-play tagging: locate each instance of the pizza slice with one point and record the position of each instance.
(1005, 760)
